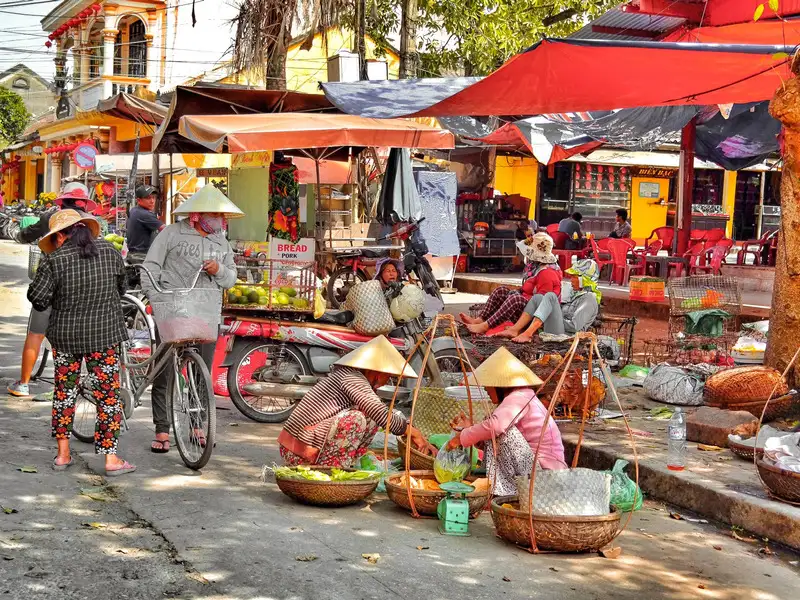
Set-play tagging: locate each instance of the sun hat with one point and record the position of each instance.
(541, 249)
(74, 191)
(504, 370)
(209, 199)
(382, 262)
(377, 355)
(62, 220)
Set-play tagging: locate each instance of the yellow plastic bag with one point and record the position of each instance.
(319, 304)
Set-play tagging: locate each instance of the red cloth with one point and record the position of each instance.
(547, 280)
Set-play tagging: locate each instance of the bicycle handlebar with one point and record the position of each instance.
(158, 288)
(404, 230)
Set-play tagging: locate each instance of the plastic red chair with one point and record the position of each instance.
(718, 254)
(713, 236)
(620, 267)
(692, 255)
(551, 229)
(665, 234)
(599, 255)
(754, 247)
(697, 235)
(560, 240)
(603, 244)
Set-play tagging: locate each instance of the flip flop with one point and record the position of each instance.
(64, 467)
(200, 437)
(164, 447)
(125, 468)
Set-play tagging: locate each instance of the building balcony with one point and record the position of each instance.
(86, 95)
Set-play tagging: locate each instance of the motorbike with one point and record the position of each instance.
(273, 363)
(352, 261)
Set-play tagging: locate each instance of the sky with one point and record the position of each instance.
(21, 36)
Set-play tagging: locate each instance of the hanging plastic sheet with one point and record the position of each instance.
(747, 137)
(399, 200)
(437, 193)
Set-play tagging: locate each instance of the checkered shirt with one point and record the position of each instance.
(85, 296)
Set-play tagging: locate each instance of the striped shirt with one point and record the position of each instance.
(344, 389)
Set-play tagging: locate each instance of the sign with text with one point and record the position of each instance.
(295, 256)
(657, 172)
(251, 159)
(212, 172)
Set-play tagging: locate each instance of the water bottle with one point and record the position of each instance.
(676, 432)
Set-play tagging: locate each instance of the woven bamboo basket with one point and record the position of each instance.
(743, 385)
(555, 534)
(426, 501)
(419, 461)
(745, 452)
(778, 407)
(782, 484)
(327, 493)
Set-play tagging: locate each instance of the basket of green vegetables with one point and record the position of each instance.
(326, 486)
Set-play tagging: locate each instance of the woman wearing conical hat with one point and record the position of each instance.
(175, 257)
(516, 424)
(334, 423)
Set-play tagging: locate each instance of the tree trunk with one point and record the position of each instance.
(408, 40)
(784, 333)
(276, 70)
(361, 35)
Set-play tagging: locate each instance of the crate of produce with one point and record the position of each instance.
(284, 286)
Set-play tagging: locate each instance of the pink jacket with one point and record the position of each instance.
(521, 408)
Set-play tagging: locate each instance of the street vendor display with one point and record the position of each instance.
(333, 425)
(284, 201)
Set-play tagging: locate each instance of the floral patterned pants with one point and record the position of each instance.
(103, 384)
(349, 437)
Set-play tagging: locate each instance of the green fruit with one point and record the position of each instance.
(282, 299)
(262, 291)
(289, 291)
(300, 303)
(253, 296)
(263, 300)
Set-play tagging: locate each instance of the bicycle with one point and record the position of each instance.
(183, 317)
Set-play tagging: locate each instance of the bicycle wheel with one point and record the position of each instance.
(190, 402)
(267, 362)
(83, 423)
(141, 339)
(41, 361)
(340, 283)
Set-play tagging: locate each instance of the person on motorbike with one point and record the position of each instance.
(73, 196)
(178, 253)
(335, 422)
(389, 270)
(143, 225)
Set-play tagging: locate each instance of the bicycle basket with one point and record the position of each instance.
(187, 315)
(34, 256)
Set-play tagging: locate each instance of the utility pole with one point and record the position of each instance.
(785, 314)
(361, 35)
(409, 58)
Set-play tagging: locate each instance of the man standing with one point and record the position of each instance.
(572, 227)
(142, 223)
(622, 229)
(75, 196)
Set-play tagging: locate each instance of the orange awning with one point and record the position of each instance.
(294, 131)
(332, 172)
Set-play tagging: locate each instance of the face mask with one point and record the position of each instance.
(212, 224)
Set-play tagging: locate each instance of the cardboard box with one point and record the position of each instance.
(647, 289)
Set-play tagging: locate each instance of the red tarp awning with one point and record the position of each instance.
(289, 131)
(712, 12)
(571, 75)
(762, 32)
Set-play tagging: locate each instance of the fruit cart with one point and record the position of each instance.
(273, 285)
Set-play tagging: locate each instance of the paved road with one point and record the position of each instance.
(169, 532)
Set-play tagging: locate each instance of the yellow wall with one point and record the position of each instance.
(729, 199)
(517, 175)
(647, 214)
(306, 68)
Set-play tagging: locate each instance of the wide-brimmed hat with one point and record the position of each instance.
(541, 249)
(209, 200)
(377, 355)
(62, 220)
(76, 192)
(504, 370)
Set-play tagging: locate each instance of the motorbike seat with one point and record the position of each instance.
(376, 253)
(336, 317)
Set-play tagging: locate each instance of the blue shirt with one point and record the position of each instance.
(141, 225)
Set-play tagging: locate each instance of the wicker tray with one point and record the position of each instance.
(745, 452)
(741, 385)
(556, 534)
(426, 501)
(778, 407)
(419, 461)
(782, 484)
(327, 493)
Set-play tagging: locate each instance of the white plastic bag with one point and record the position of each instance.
(451, 465)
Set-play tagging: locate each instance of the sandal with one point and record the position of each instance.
(64, 467)
(163, 449)
(125, 468)
(200, 437)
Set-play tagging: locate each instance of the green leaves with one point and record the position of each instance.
(14, 116)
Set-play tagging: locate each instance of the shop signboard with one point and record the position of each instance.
(287, 259)
(212, 172)
(655, 172)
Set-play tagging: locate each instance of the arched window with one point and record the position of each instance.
(137, 50)
(20, 83)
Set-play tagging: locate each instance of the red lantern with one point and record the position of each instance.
(51, 36)
(96, 8)
(48, 44)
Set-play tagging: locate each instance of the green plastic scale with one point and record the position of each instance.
(453, 510)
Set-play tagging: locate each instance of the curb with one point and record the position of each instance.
(767, 518)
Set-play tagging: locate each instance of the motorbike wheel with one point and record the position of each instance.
(428, 281)
(251, 357)
(340, 283)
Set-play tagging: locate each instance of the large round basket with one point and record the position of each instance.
(742, 385)
(556, 534)
(743, 451)
(778, 407)
(327, 493)
(419, 461)
(781, 483)
(426, 501)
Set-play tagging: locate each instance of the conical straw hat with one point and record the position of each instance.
(209, 199)
(503, 369)
(377, 355)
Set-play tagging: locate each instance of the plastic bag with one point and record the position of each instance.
(451, 465)
(319, 304)
(624, 489)
(370, 462)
